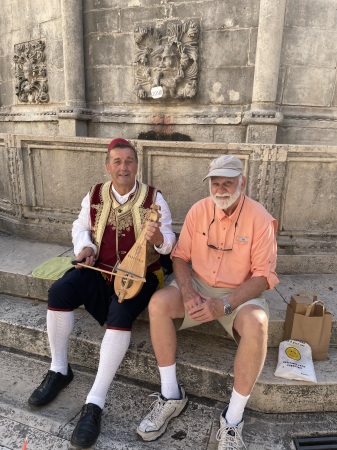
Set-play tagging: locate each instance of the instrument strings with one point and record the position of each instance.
(133, 259)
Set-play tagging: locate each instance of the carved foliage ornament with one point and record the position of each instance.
(31, 84)
(166, 60)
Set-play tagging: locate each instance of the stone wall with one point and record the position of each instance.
(265, 70)
(45, 178)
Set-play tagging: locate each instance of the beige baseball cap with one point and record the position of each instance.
(225, 166)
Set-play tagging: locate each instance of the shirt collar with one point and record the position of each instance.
(123, 198)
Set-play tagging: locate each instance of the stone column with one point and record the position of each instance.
(73, 117)
(262, 119)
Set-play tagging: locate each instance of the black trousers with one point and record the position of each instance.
(88, 287)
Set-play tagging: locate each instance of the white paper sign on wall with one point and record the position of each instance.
(157, 92)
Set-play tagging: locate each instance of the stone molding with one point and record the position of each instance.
(166, 60)
(262, 117)
(31, 83)
(40, 172)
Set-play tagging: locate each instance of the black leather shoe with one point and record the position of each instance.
(50, 387)
(88, 427)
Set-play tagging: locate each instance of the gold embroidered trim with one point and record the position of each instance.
(101, 219)
(139, 213)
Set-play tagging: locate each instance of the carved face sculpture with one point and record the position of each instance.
(27, 71)
(164, 57)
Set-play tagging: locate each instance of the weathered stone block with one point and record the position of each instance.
(110, 86)
(311, 13)
(302, 135)
(103, 21)
(259, 134)
(220, 14)
(132, 16)
(113, 130)
(230, 86)
(6, 192)
(301, 47)
(307, 209)
(252, 46)
(109, 50)
(6, 46)
(51, 30)
(54, 52)
(6, 24)
(6, 93)
(90, 5)
(309, 86)
(56, 86)
(6, 73)
(228, 134)
(27, 14)
(225, 48)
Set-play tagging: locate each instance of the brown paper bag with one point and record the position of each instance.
(308, 320)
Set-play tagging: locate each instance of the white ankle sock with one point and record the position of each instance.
(169, 383)
(59, 327)
(113, 348)
(236, 407)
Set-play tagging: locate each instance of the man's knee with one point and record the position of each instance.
(166, 302)
(252, 322)
(157, 303)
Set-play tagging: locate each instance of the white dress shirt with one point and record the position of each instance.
(81, 231)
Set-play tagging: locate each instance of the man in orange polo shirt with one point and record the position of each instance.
(225, 258)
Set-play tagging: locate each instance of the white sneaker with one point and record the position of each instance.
(229, 436)
(155, 422)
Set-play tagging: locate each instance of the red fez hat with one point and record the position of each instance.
(114, 143)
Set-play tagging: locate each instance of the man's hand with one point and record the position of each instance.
(209, 309)
(86, 256)
(153, 234)
(192, 300)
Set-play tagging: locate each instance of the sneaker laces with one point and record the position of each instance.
(230, 438)
(157, 408)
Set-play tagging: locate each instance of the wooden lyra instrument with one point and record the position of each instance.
(130, 273)
(134, 265)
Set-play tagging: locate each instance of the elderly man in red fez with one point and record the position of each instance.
(111, 219)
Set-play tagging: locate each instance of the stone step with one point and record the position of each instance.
(21, 256)
(50, 427)
(205, 362)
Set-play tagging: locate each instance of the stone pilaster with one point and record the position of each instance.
(262, 119)
(73, 117)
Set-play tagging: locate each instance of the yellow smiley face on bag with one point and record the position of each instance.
(293, 353)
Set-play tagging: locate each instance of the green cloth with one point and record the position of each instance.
(54, 268)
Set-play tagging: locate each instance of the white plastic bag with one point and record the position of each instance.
(295, 361)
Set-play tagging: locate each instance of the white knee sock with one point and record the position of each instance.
(169, 383)
(236, 407)
(113, 348)
(59, 327)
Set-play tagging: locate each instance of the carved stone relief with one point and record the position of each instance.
(166, 60)
(30, 72)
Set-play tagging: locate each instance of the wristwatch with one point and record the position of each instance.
(227, 309)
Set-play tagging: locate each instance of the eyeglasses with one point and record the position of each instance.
(235, 226)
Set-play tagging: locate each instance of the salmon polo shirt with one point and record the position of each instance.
(248, 236)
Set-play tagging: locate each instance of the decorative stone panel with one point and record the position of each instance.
(31, 83)
(166, 60)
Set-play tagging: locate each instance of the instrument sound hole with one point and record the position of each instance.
(127, 283)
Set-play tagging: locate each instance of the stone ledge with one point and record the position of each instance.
(204, 373)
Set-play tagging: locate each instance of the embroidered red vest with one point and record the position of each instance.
(115, 227)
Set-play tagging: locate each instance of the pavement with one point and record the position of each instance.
(295, 409)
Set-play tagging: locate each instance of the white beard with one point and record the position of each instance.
(224, 201)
